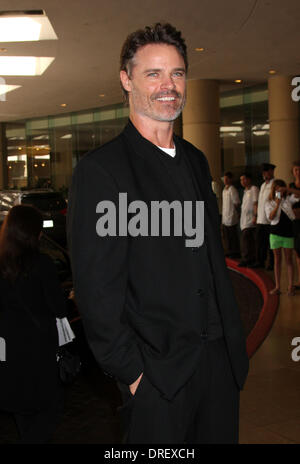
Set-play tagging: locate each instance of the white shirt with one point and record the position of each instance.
(169, 151)
(230, 198)
(285, 205)
(264, 194)
(249, 198)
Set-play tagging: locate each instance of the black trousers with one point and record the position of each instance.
(263, 245)
(231, 240)
(248, 245)
(206, 409)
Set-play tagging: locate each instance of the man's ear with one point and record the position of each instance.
(125, 81)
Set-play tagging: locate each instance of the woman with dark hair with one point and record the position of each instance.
(30, 301)
(280, 213)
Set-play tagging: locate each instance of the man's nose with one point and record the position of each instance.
(168, 83)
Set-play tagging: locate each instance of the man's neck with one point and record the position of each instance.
(268, 180)
(159, 133)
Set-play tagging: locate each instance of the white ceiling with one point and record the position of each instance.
(242, 39)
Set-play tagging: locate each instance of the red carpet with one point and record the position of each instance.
(268, 312)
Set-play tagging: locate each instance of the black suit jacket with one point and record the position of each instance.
(143, 300)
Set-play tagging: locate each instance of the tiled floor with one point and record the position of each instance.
(270, 401)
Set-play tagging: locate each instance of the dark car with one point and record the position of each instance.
(51, 204)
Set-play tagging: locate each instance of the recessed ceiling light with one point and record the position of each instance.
(24, 65)
(230, 129)
(7, 88)
(17, 26)
(272, 71)
(238, 81)
(101, 95)
(63, 104)
(200, 49)
(66, 136)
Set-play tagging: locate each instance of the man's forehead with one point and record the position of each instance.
(158, 53)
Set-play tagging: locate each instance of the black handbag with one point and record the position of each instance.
(69, 365)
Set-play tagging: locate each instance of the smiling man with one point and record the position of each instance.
(160, 317)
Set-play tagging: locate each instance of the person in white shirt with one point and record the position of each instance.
(230, 217)
(248, 220)
(281, 215)
(263, 224)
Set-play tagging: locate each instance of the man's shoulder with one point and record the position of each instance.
(104, 154)
(107, 160)
(187, 146)
(254, 189)
(191, 151)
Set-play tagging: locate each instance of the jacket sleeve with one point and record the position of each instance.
(100, 273)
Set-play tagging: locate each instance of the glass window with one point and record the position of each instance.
(244, 131)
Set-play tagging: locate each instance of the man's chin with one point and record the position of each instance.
(170, 117)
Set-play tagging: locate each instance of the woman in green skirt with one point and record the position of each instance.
(281, 216)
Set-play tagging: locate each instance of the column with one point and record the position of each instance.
(3, 157)
(201, 123)
(284, 126)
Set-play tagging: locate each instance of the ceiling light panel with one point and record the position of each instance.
(24, 65)
(26, 28)
(4, 89)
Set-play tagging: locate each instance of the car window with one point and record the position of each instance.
(45, 202)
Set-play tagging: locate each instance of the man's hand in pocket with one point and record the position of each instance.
(135, 384)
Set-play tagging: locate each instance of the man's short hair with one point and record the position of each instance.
(296, 164)
(228, 174)
(248, 175)
(157, 34)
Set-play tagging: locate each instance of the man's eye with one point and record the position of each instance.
(153, 74)
(179, 74)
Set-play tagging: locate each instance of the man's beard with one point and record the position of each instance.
(177, 112)
(143, 107)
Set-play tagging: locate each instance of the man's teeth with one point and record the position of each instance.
(166, 98)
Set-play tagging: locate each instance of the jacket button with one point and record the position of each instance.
(200, 291)
(195, 249)
(203, 335)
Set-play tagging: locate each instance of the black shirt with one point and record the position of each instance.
(284, 228)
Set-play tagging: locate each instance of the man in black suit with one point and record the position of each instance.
(160, 315)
